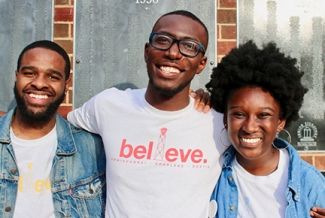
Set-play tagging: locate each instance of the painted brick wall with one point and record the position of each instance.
(226, 40)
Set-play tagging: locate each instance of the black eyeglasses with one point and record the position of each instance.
(187, 47)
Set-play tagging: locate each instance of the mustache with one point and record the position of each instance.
(44, 91)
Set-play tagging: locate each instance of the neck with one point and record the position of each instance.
(27, 130)
(167, 103)
(261, 166)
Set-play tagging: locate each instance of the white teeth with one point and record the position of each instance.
(251, 140)
(169, 69)
(38, 96)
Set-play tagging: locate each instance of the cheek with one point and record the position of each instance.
(232, 132)
(234, 124)
(19, 84)
(59, 89)
(271, 127)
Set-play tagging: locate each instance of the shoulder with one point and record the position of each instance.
(116, 96)
(308, 173)
(312, 185)
(80, 135)
(212, 115)
(312, 173)
(66, 130)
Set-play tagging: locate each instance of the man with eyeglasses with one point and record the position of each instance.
(162, 155)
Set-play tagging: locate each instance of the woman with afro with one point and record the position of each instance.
(260, 93)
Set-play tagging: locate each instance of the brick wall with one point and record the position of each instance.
(63, 35)
(226, 26)
(226, 40)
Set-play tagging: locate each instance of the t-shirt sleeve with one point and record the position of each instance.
(86, 116)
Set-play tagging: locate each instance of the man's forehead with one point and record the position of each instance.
(181, 26)
(39, 57)
(41, 53)
(174, 19)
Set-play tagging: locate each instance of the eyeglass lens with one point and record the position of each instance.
(187, 47)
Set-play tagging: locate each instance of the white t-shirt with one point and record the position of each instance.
(34, 160)
(159, 163)
(261, 196)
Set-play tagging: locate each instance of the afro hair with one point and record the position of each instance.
(267, 68)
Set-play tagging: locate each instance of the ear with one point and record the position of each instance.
(146, 51)
(202, 64)
(16, 74)
(225, 121)
(281, 124)
(67, 84)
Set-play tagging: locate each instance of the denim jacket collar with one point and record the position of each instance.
(66, 145)
(294, 169)
(229, 155)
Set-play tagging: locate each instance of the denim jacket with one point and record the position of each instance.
(306, 186)
(78, 182)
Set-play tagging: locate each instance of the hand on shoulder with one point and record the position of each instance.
(317, 212)
(202, 100)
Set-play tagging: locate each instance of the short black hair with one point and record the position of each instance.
(46, 44)
(190, 15)
(267, 68)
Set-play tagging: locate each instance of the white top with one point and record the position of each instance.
(159, 163)
(260, 196)
(34, 160)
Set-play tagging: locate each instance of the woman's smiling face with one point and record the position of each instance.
(253, 119)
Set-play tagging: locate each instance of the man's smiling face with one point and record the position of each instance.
(169, 71)
(40, 84)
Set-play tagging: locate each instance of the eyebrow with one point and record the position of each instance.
(58, 73)
(183, 38)
(265, 108)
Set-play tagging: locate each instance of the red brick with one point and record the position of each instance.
(225, 47)
(308, 159)
(218, 32)
(71, 30)
(320, 162)
(71, 61)
(70, 95)
(63, 110)
(67, 45)
(61, 2)
(226, 16)
(227, 4)
(228, 32)
(63, 14)
(70, 84)
(61, 30)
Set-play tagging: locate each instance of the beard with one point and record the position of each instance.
(169, 92)
(40, 118)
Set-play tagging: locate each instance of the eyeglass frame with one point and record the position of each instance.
(201, 47)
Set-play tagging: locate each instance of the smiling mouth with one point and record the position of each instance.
(251, 141)
(38, 96)
(166, 69)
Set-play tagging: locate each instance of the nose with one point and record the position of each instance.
(173, 52)
(251, 125)
(39, 82)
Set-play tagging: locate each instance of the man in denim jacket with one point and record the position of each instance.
(48, 168)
